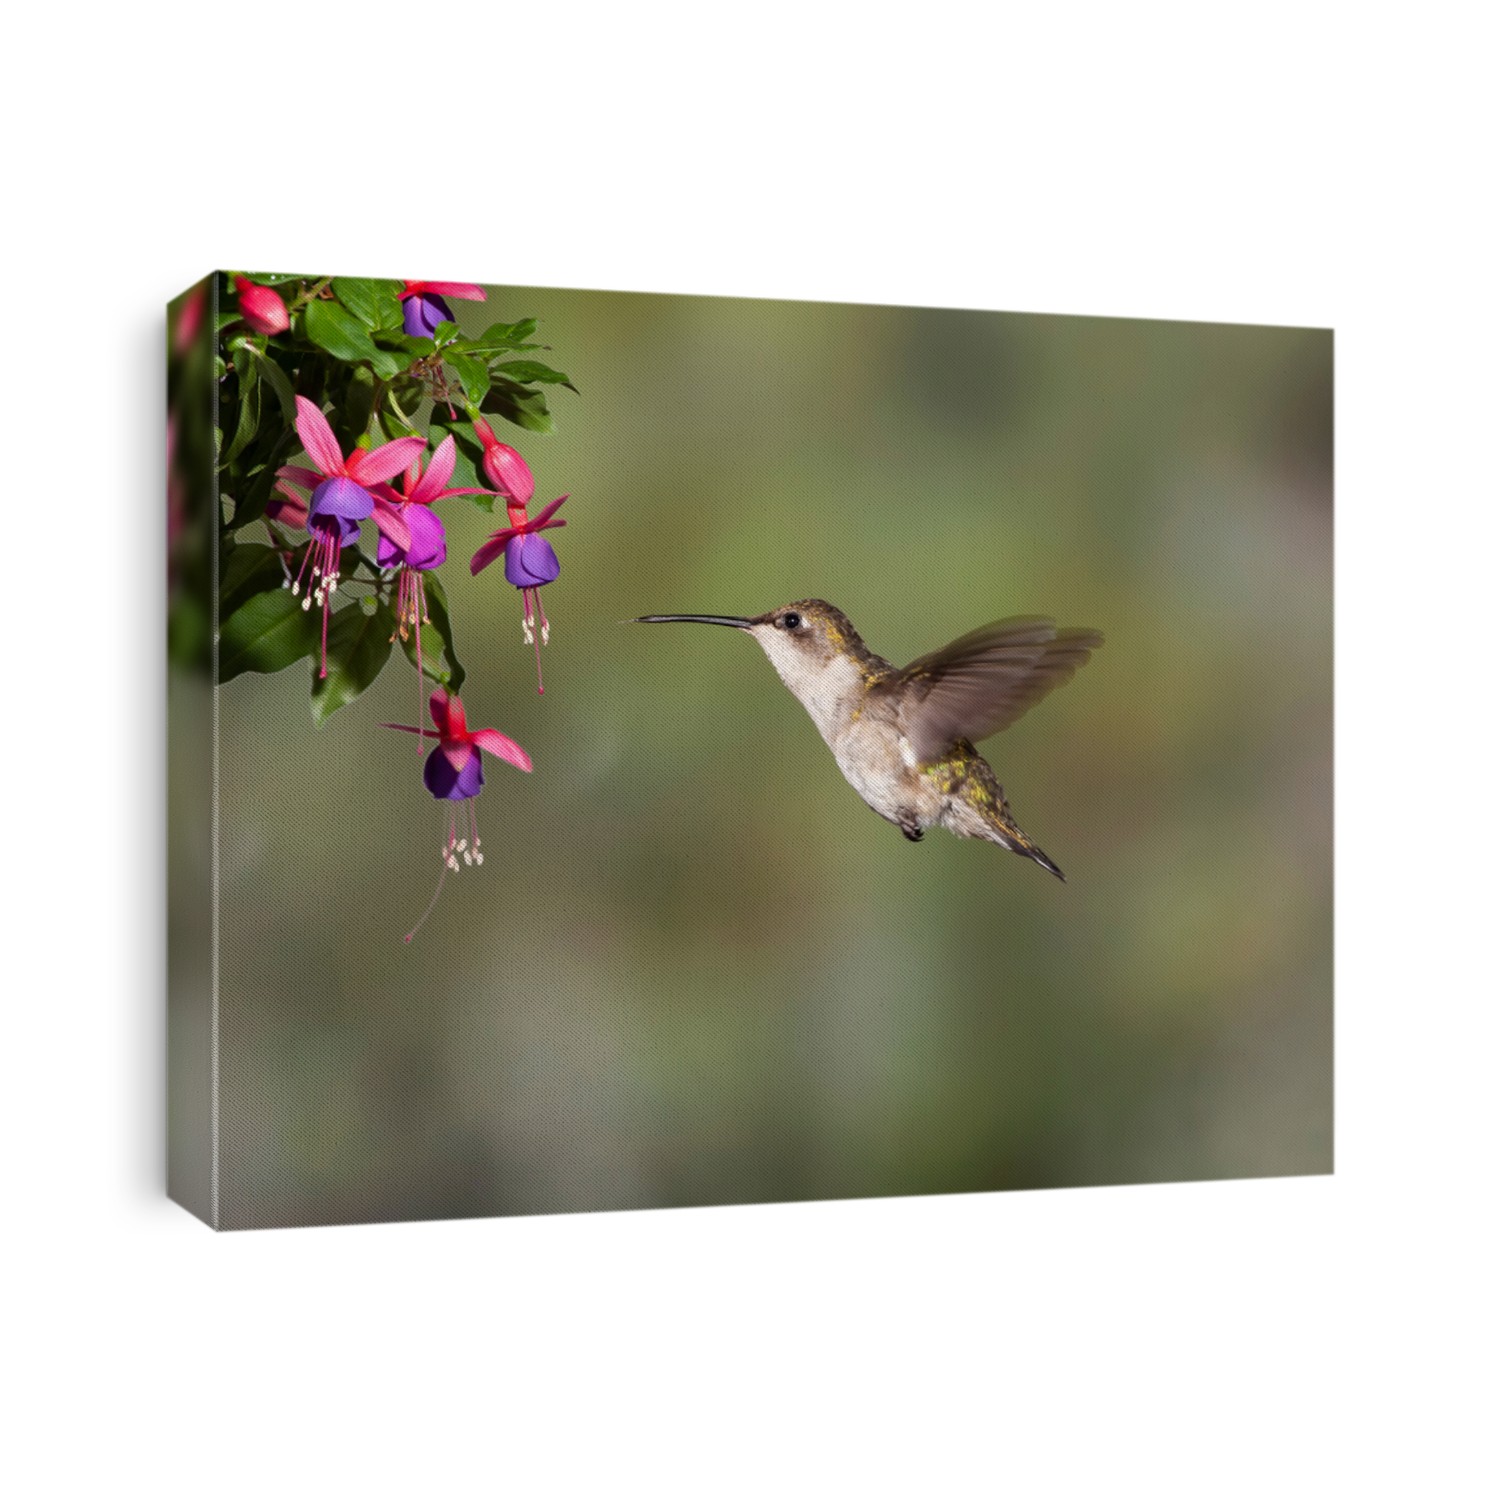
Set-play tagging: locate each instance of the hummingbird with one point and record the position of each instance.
(904, 736)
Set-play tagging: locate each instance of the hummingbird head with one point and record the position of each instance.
(817, 653)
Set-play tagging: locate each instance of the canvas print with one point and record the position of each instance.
(982, 842)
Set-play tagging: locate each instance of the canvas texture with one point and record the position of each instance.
(699, 963)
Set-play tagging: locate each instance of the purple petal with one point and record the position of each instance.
(342, 497)
(439, 777)
(389, 523)
(429, 544)
(422, 313)
(348, 530)
(531, 562)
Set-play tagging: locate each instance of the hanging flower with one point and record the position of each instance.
(454, 773)
(530, 562)
(428, 546)
(344, 491)
(261, 306)
(424, 305)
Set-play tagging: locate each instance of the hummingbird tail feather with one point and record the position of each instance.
(979, 810)
(1008, 836)
(1031, 851)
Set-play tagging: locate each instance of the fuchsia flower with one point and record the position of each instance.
(428, 546)
(261, 306)
(454, 772)
(344, 491)
(530, 561)
(423, 305)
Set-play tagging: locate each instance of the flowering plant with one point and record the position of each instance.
(329, 389)
(348, 411)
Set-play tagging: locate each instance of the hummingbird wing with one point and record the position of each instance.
(984, 681)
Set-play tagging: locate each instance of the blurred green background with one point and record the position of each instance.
(695, 968)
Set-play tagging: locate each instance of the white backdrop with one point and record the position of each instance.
(1283, 163)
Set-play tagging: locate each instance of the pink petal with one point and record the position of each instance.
(309, 479)
(490, 550)
(318, 439)
(458, 753)
(389, 524)
(468, 490)
(365, 467)
(437, 706)
(430, 486)
(546, 513)
(508, 472)
(288, 507)
(384, 492)
(448, 714)
(501, 745)
(465, 291)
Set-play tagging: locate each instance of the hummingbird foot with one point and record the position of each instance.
(911, 828)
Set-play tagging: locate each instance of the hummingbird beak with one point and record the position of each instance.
(737, 621)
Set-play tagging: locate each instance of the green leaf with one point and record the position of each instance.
(352, 420)
(250, 501)
(245, 570)
(358, 647)
(530, 371)
(334, 328)
(249, 399)
(266, 634)
(516, 404)
(523, 328)
(446, 332)
(472, 375)
(375, 303)
(439, 624)
(414, 346)
(275, 377)
(500, 338)
(392, 427)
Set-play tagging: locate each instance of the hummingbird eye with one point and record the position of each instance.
(791, 619)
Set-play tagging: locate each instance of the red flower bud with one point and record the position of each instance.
(261, 307)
